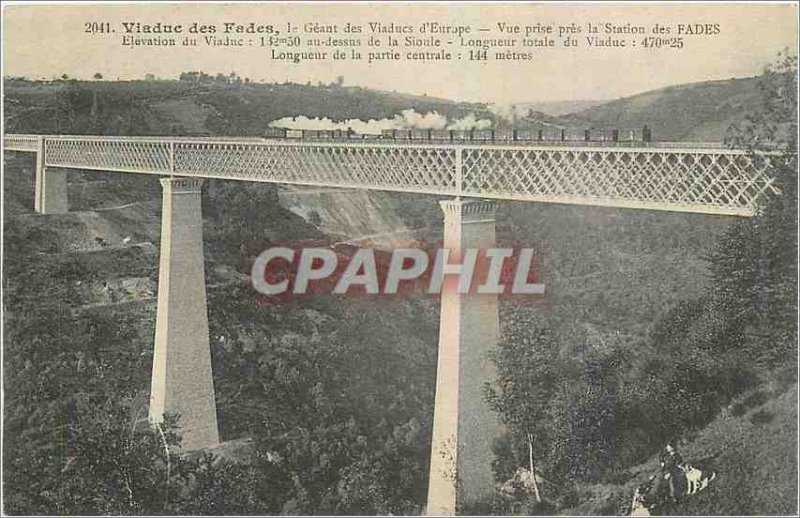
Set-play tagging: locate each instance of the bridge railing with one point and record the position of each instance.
(714, 181)
(20, 142)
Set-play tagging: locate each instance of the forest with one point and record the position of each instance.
(326, 407)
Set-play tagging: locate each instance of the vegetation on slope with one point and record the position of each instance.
(335, 400)
(615, 402)
(189, 108)
(699, 112)
(695, 112)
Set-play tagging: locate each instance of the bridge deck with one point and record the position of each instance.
(658, 176)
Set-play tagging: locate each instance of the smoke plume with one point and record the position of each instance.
(407, 119)
(470, 122)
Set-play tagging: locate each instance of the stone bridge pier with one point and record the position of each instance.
(464, 427)
(50, 185)
(182, 381)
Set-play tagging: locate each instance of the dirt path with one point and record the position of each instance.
(365, 237)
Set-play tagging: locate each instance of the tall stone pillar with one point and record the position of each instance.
(182, 381)
(38, 181)
(464, 427)
(52, 187)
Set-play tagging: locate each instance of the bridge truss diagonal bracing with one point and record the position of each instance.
(417, 169)
(21, 142)
(714, 181)
(703, 180)
(135, 156)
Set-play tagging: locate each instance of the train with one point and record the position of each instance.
(643, 135)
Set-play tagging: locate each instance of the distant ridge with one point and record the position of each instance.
(695, 112)
(559, 108)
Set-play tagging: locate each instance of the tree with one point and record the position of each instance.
(754, 266)
(528, 370)
(220, 486)
(97, 76)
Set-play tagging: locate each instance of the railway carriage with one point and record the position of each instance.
(549, 134)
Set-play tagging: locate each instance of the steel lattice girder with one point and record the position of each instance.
(703, 180)
(21, 142)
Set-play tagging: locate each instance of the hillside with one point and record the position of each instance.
(748, 445)
(611, 271)
(697, 112)
(189, 108)
(334, 396)
(79, 297)
(558, 108)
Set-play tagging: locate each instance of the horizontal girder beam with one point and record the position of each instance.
(701, 180)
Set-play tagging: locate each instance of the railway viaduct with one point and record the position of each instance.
(700, 179)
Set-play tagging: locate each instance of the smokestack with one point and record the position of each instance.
(514, 118)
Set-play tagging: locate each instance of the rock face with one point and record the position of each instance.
(358, 215)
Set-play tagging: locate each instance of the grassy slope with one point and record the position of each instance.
(756, 460)
(698, 112)
(173, 107)
(752, 445)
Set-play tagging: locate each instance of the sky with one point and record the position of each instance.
(49, 40)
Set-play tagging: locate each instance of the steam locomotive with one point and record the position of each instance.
(474, 135)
